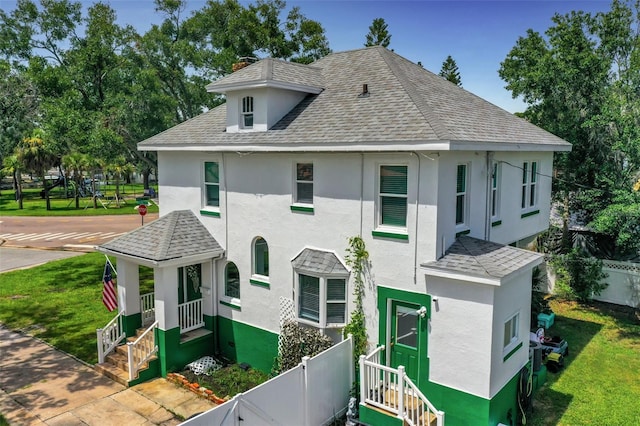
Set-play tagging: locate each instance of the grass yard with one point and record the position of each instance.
(34, 205)
(600, 383)
(61, 302)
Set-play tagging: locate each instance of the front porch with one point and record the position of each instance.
(390, 392)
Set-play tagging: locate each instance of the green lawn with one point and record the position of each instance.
(600, 383)
(35, 205)
(61, 302)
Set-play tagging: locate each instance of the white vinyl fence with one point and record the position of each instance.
(312, 394)
(623, 279)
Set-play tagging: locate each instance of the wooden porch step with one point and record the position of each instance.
(114, 373)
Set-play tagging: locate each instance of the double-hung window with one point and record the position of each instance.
(304, 183)
(511, 332)
(211, 184)
(393, 196)
(495, 191)
(529, 198)
(322, 301)
(247, 112)
(462, 198)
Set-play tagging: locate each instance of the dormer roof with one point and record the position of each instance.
(272, 73)
(405, 108)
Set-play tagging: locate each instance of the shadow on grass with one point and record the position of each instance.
(549, 407)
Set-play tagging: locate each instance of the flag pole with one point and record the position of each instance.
(110, 264)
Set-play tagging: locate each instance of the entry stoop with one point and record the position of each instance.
(116, 365)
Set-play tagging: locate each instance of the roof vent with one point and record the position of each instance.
(365, 91)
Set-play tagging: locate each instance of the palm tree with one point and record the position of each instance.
(119, 168)
(76, 163)
(12, 166)
(34, 155)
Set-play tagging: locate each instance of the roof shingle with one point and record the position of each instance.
(318, 262)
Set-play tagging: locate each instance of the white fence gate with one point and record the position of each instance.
(312, 394)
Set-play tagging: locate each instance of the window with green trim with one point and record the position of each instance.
(212, 184)
(322, 300)
(261, 257)
(231, 281)
(461, 194)
(304, 183)
(529, 198)
(393, 196)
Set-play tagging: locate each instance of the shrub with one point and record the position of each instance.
(578, 277)
(297, 342)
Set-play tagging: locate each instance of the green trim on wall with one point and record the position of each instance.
(175, 355)
(460, 408)
(241, 342)
(465, 232)
(513, 351)
(231, 305)
(302, 209)
(527, 214)
(209, 213)
(259, 283)
(131, 323)
(150, 373)
(496, 223)
(503, 403)
(392, 235)
(209, 322)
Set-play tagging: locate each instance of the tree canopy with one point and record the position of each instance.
(450, 71)
(378, 34)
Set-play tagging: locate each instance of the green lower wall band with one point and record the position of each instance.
(243, 343)
(131, 323)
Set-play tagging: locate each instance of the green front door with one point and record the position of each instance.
(408, 334)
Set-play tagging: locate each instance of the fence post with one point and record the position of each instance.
(132, 368)
(363, 380)
(400, 391)
(352, 367)
(100, 348)
(305, 389)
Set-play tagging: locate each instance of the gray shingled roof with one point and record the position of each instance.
(271, 70)
(318, 262)
(406, 105)
(485, 259)
(176, 235)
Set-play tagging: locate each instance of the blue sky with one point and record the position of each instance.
(478, 34)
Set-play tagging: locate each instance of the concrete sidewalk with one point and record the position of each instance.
(40, 385)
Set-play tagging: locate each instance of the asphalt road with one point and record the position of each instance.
(31, 241)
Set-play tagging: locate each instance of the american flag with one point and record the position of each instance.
(108, 290)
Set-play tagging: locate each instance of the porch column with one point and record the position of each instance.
(206, 288)
(128, 281)
(166, 294)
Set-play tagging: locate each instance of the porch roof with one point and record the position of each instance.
(471, 259)
(174, 236)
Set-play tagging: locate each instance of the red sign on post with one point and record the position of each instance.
(142, 209)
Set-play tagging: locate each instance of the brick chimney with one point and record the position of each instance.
(243, 62)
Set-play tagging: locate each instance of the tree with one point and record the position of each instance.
(378, 34)
(11, 165)
(35, 155)
(450, 71)
(77, 163)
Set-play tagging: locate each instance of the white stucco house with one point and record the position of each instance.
(260, 195)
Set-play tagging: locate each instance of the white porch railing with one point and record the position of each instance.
(390, 389)
(190, 315)
(140, 350)
(148, 308)
(110, 336)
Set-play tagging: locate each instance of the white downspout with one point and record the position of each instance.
(487, 213)
(361, 192)
(415, 238)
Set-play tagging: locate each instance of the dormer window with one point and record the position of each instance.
(247, 112)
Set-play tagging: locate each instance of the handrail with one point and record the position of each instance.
(110, 336)
(392, 390)
(147, 308)
(141, 350)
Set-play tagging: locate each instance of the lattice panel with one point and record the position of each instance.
(287, 312)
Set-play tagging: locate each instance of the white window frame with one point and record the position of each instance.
(254, 259)
(231, 299)
(297, 181)
(496, 174)
(246, 110)
(465, 200)
(511, 329)
(529, 193)
(323, 302)
(205, 185)
(380, 195)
